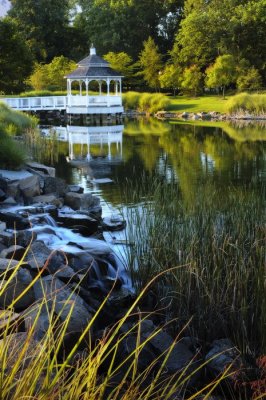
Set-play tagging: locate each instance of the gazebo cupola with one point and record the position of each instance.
(93, 71)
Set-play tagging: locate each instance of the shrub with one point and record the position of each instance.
(247, 103)
(12, 154)
(145, 102)
(15, 122)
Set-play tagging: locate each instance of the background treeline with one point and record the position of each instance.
(184, 45)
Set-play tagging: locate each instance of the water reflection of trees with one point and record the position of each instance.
(201, 159)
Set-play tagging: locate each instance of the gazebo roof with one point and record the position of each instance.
(93, 66)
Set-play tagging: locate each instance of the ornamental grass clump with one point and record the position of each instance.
(148, 103)
(245, 103)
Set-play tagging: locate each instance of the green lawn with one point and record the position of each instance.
(197, 104)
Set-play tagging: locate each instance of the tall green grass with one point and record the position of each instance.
(46, 369)
(222, 284)
(145, 102)
(13, 123)
(247, 103)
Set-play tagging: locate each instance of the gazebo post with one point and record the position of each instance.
(87, 92)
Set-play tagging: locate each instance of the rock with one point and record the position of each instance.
(81, 263)
(7, 266)
(30, 186)
(81, 201)
(13, 190)
(3, 183)
(10, 321)
(37, 315)
(24, 237)
(113, 224)
(13, 345)
(2, 226)
(66, 303)
(221, 355)
(75, 189)
(54, 185)
(45, 198)
(185, 115)
(66, 274)
(14, 221)
(15, 252)
(180, 358)
(82, 223)
(9, 201)
(50, 171)
(40, 255)
(2, 195)
(15, 287)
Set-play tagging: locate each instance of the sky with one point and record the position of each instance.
(4, 6)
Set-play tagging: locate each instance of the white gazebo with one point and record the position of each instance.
(93, 75)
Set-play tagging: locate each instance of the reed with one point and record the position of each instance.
(39, 369)
(223, 282)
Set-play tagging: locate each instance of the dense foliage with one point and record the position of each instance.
(154, 43)
(12, 123)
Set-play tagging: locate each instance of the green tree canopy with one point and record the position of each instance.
(122, 63)
(192, 79)
(45, 25)
(221, 73)
(123, 25)
(150, 61)
(51, 76)
(216, 27)
(16, 61)
(171, 77)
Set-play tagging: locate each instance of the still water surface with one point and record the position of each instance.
(221, 158)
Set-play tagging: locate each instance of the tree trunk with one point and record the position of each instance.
(223, 92)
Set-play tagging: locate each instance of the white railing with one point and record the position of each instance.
(61, 102)
(36, 103)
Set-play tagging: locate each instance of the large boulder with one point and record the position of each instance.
(14, 221)
(80, 222)
(43, 169)
(14, 288)
(30, 187)
(54, 185)
(79, 201)
(15, 252)
(40, 255)
(22, 238)
(67, 304)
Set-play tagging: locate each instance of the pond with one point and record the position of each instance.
(193, 195)
(197, 158)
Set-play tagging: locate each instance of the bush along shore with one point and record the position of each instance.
(242, 106)
(71, 325)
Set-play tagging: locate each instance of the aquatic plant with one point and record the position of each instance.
(221, 243)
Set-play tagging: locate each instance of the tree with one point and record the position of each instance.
(192, 79)
(122, 63)
(150, 61)
(51, 76)
(217, 27)
(16, 61)
(171, 77)
(221, 73)
(45, 25)
(249, 79)
(123, 25)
